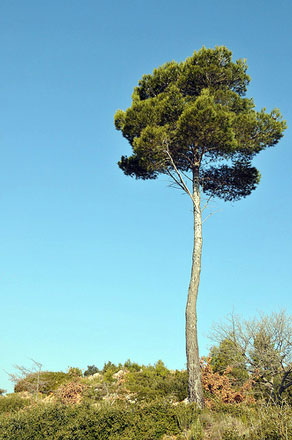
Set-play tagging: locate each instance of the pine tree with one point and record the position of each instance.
(192, 122)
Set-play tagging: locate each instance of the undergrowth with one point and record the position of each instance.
(133, 402)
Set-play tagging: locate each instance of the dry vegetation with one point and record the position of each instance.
(140, 402)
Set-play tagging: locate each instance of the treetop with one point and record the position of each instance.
(193, 116)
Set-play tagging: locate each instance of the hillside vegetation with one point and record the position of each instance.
(132, 401)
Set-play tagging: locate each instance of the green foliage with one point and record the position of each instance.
(74, 372)
(148, 422)
(12, 403)
(231, 434)
(158, 419)
(49, 381)
(109, 369)
(109, 366)
(132, 366)
(96, 393)
(157, 381)
(227, 355)
(154, 415)
(91, 369)
(271, 423)
(235, 410)
(193, 116)
(264, 346)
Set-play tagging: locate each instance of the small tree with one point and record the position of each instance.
(91, 369)
(226, 356)
(28, 378)
(191, 121)
(264, 344)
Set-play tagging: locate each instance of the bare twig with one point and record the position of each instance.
(180, 181)
(207, 203)
(209, 215)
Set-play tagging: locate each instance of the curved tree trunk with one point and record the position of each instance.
(195, 391)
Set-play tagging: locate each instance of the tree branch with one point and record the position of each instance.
(207, 203)
(182, 183)
(209, 215)
(177, 182)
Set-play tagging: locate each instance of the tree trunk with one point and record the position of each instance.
(195, 390)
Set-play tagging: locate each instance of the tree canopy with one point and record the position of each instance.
(195, 114)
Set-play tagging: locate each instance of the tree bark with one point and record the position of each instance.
(195, 390)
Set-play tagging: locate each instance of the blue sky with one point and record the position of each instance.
(94, 266)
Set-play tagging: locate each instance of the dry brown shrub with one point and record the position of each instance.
(70, 393)
(220, 387)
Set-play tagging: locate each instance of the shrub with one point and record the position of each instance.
(82, 422)
(91, 369)
(271, 423)
(109, 366)
(109, 369)
(132, 366)
(231, 434)
(219, 386)
(12, 403)
(225, 357)
(49, 381)
(154, 382)
(74, 372)
(70, 393)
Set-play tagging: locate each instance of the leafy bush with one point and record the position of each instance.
(49, 381)
(152, 382)
(231, 434)
(226, 357)
(91, 369)
(271, 423)
(130, 422)
(12, 403)
(109, 366)
(101, 407)
(109, 369)
(93, 394)
(132, 366)
(74, 372)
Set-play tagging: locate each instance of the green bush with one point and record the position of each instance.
(74, 372)
(84, 422)
(49, 381)
(91, 369)
(236, 410)
(12, 403)
(231, 434)
(153, 382)
(132, 366)
(271, 423)
(110, 367)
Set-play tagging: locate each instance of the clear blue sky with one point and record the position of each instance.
(94, 266)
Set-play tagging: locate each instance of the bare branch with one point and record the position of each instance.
(186, 176)
(266, 345)
(181, 180)
(188, 159)
(207, 203)
(176, 181)
(210, 215)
